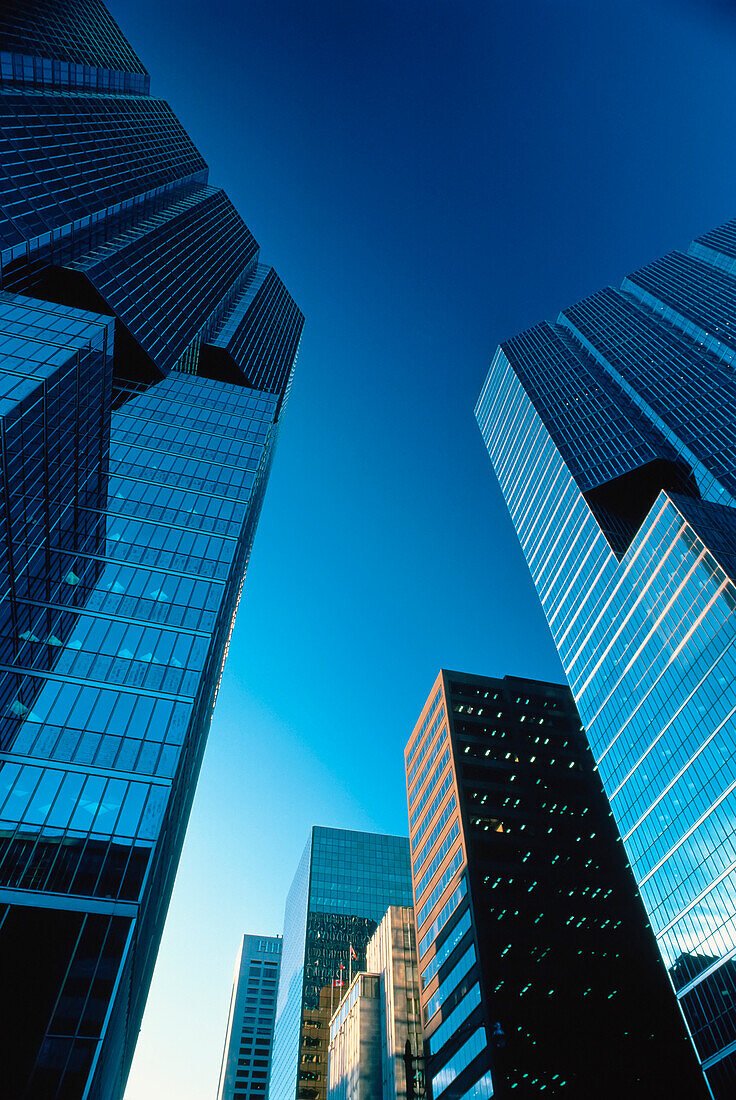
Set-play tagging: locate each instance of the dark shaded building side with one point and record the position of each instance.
(539, 973)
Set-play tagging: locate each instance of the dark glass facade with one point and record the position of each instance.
(539, 974)
(613, 436)
(76, 43)
(246, 1059)
(132, 480)
(343, 886)
(52, 172)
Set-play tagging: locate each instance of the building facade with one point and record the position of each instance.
(146, 359)
(376, 1040)
(392, 954)
(613, 437)
(539, 974)
(246, 1058)
(354, 1070)
(344, 884)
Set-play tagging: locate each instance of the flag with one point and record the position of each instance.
(338, 981)
(352, 953)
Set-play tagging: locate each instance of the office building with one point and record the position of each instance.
(376, 1039)
(613, 437)
(246, 1059)
(354, 1058)
(147, 353)
(343, 886)
(539, 974)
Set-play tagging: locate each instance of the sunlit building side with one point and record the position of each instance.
(613, 436)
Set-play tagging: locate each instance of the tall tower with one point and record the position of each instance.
(613, 437)
(343, 886)
(539, 975)
(147, 353)
(246, 1058)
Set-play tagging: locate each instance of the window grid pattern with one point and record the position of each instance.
(246, 1057)
(74, 43)
(345, 884)
(164, 273)
(647, 642)
(129, 503)
(67, 156)
(261, 332)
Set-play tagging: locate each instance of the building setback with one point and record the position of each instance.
(342, 888)
(146, 356)
(538, 971)
(354, 1061)
(613, 437)
(246, 1058)
(376, 1038)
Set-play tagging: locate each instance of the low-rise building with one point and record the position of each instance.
(376, 1041)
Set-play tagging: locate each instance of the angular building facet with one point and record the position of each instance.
(246, 1059)
(376, 1038)
(133, 472)
(539, 975)
(613, 437)
(344, 884)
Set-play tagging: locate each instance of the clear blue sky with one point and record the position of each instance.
(428, 178)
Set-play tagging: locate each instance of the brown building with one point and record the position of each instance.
(539, 973)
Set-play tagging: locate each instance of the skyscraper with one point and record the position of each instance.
(246, 1058)
(376, 1038)
(613, 437)
(539, 975)
(342, 888)
(147, 355)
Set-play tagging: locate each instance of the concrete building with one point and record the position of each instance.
(376, 1040)
(246, 1059)
(354, 1067)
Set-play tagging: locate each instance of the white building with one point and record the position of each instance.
(247, 1055)
(376, 1032)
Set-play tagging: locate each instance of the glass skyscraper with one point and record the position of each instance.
(246, 1059)
(538, 973)
(613, 436)
(147, 353)
(343, 886)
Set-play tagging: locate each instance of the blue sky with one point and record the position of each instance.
(428, 178)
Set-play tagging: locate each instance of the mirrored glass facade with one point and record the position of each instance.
(133, 475)
(343, 887)
(246, 1059)
(538, 972)
(613, 437)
